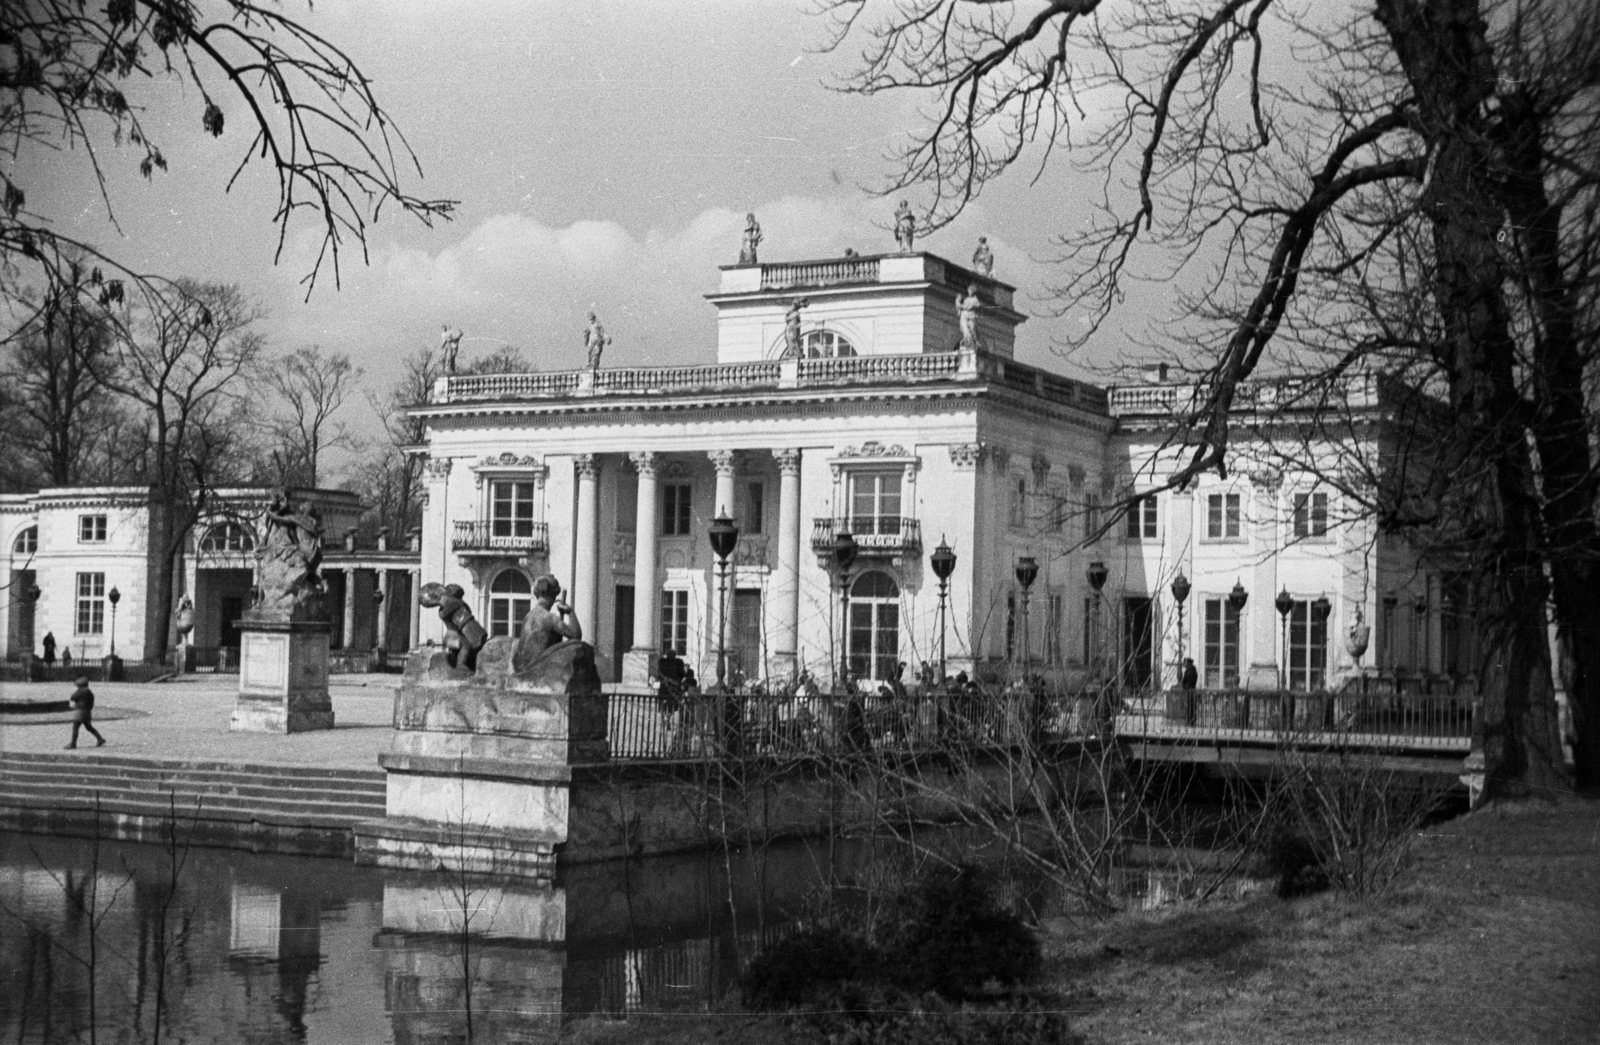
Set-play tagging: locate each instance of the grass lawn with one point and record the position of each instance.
(1494, 937)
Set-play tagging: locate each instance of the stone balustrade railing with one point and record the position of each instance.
(1288, 394)
(819, 273)
(864, 371)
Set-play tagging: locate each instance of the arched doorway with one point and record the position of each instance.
(874, 626)
(510, 599)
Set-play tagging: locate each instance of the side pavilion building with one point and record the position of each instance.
(845, 397)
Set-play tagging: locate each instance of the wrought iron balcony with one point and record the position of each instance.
(500, 537)
(874, 534)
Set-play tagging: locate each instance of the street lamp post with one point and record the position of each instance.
(844, 555)
(114, 596)
(1180, 595)
(1027, 572)
(724, 538)
(943, 561)
(1236, 600)
(1097, 581)
(1285, 605)
(1420, 619)
(1321, 608)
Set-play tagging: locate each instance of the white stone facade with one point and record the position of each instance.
(887, 426)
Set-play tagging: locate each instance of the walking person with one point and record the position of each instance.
(49, 649)
(83, 713)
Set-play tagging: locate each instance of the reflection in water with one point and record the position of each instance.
(259, 948)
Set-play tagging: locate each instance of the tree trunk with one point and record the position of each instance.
(1444, 50)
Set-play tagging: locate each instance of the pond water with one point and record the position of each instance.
(265, 948)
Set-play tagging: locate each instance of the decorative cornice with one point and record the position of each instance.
(438, 467)
(965, 456)
(510, 462)
(873, 448)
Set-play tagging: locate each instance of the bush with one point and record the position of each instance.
(897, 1019)
(950, 937)
(801, 969)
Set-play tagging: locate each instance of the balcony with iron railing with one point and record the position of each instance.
(500, 537)
(874, 534)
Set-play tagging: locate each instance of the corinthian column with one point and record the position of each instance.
(585, 584)
(640, 660)
(783, 607)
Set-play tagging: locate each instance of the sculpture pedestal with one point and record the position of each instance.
(479, 769)
(283, 677)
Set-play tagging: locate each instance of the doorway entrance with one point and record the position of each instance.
(1138, 642)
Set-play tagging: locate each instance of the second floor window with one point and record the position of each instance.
(875, 502)
(511, 509)
(754, 509)
(91, 617)
(1142, 522)
(91, 529)
(1222, 516)
(675, 509)
(1310, 514)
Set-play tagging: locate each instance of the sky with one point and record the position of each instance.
(604, 155)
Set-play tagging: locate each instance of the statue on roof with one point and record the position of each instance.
(791, 329)
(752, 240)
(983, 257)
(967, 312)
(595, 340)
(450, 344)
(905, 226)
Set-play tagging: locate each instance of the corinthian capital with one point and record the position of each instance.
(723, 460)
(588, 466)
(788, 461)
(645, 462)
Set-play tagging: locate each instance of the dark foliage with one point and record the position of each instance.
(1294, 860)
(951, 937)
(799, 969)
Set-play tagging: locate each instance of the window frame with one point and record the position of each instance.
(882, 522)
(1308, 639)
(674, 603)
(1143, 520)
(677, 508)
(1309, 514)
(753, 519)
(1216, 672)
(27, 541)
(880, 610)
(1225, 508)
(93, 528)
(90, 607)
(509, 599)
(516, 520)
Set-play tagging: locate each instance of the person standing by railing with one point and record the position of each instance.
(1188, 680)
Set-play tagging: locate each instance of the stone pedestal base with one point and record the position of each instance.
(283, 677)
(1263, 676)
(639, 667)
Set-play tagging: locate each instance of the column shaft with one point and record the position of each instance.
(383, 610)
(415, 638)
(640, 660)
(585, 586)
(348, 638)
(785, 605)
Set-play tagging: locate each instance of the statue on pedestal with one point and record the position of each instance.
(595, 340)
(449, 344)
(967, 311)
(983, 257)
(288, 559)
(791, 329)
(905, 226)
(463, 635)
(752, 240)
(548, 624)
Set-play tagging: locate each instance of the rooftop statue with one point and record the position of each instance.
(791, 329)
(983, 257)
(595, 340)
(752, 240)
(967, 311)
(463, 635)
(905, 226)
(450, 344)
(288, 560)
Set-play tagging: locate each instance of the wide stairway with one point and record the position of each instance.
(287, 808)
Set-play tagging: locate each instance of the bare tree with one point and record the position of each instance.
(1421, 198)
(310, 388)
(80, 78)
(181, 361)
(390, 476)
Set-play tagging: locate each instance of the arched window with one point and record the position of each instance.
(27, 542)
(510, 599)
(874, 626)
(825, 344)
(230, 536)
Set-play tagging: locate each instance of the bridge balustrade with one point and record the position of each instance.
(1383, 719)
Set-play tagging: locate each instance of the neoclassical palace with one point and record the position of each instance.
(878, 397)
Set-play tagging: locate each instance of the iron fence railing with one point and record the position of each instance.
(1313, 717)
(645, 726)
(476, 535)
(873, 533)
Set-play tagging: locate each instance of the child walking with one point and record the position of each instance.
(83, 712)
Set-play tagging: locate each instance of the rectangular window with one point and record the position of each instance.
(511, 509)
(91, 603)
(675, 509)
(1054, 608)
(675, 622)
(1142, 519)
(1308, 648)
(1222, 516)
(874, 503)
(753, 517)
(1222, 644)
(91, 529)
(1310, 514)
(627, 503)
(1091, 518)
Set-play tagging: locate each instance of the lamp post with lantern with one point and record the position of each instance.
(943, 561)
(1027, 571)
(1180, 594)
(113, 665)
(1285, 606)
(1097, 575)
(844, 556)
(724, 537)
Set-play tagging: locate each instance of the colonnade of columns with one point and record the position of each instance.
(381, 607)
(783, 589)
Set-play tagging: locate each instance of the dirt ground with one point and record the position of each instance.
(1494, 938)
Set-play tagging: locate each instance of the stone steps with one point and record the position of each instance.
(301, 797)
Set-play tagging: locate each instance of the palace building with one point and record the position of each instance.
(866, 395)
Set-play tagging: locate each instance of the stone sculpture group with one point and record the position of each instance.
(289, 559)
(469, 651)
